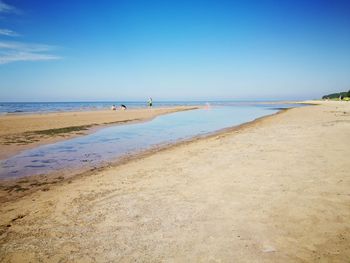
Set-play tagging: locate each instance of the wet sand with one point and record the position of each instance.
(25, 131)
(276, 190)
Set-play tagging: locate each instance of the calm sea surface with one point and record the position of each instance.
(37, 107)
(110, 143)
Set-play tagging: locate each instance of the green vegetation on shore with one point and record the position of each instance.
(344, 95)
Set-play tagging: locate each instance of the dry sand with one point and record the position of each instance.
(273, 191)
(20, 132)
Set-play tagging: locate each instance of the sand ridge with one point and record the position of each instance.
(272, 192)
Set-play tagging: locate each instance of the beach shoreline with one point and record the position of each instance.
(13, 188)
(275, 189)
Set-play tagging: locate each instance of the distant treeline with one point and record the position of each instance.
(337, 95)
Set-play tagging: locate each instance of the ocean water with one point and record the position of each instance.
(110, 143)
(38, 107)
(42, 107)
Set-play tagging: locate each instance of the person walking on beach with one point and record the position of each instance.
(150, 102)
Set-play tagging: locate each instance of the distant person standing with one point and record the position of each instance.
(150, 102)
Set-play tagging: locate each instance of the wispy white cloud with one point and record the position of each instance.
(18, 51)
(6, 8)
(25, 56)
(8, 32)
(11, 51)
(29, 47)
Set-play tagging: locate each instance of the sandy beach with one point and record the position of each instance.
(275, 190)
(21, 132)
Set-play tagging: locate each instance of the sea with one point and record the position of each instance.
(44, 107)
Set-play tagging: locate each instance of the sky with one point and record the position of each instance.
(173, 50)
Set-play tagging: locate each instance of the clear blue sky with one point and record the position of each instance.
(173, 50)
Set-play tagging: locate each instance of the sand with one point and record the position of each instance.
(25, 131)
(276, 190)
